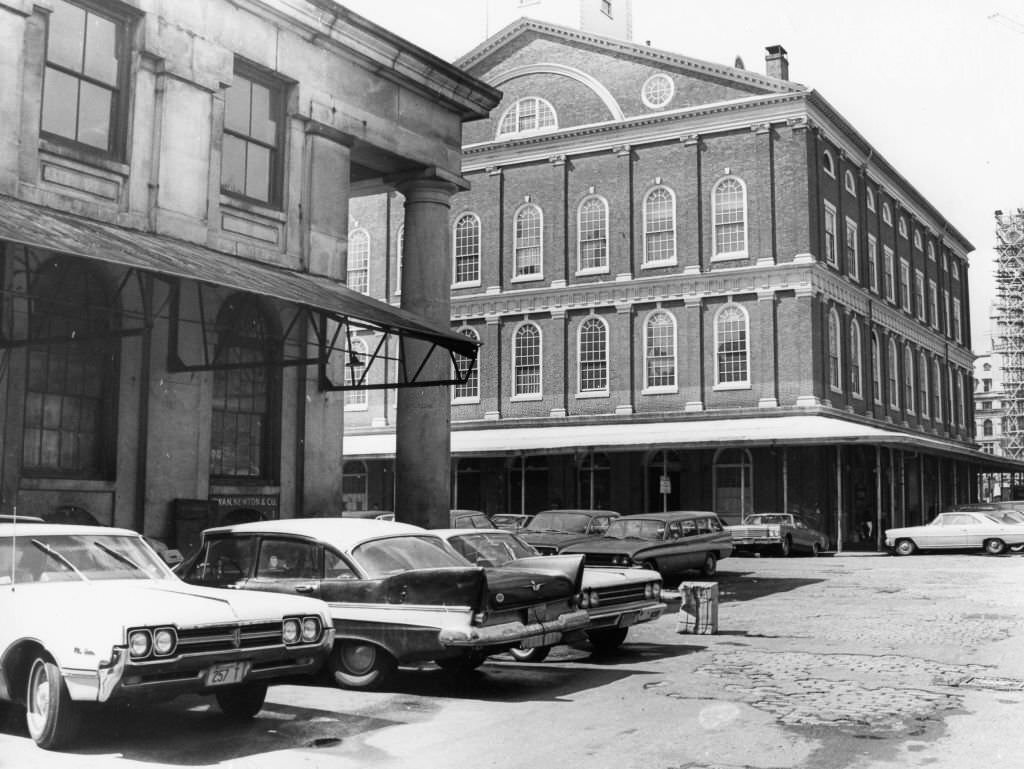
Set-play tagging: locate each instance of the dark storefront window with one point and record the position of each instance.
(594, 479)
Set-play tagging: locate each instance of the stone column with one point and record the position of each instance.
(423, 423)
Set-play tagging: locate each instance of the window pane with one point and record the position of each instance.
(60, 104)
(236, 105)
(264, 114)
(232, 168)
(101, 50)
(94, 116)
(64, 43)
(257, 172)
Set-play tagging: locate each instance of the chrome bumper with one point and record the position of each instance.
(625, 615)
(511, 633)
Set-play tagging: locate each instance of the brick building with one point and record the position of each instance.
(696, 286)
(174, 191)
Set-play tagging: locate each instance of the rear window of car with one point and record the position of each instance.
(384, 557)
(224, 561)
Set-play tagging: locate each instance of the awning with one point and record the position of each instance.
(800, 430)
(169, 258)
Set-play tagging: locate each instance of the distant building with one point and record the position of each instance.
(696, 286)
(174, 193)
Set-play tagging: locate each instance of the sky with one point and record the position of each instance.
(933, 85)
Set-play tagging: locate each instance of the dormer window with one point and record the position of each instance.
(528, 115)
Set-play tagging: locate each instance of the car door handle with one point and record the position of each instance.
(305, 588)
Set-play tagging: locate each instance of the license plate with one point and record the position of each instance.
(544, 639)
(227, 673)
(537, 613)
(629, 618)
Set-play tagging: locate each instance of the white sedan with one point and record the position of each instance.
(91, 614)
(960, 530)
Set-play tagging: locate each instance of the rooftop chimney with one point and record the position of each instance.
(775, 63)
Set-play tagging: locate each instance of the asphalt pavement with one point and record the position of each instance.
(844, 662)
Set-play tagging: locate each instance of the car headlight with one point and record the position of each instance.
(583, 600)
(774, 531)
(290, 631)
(139, 643)
(656, 591)
(310, 629)
(164, 641)
(595, 599)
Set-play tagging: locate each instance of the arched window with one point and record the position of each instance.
(828, 164)
(592, 225)
(835, 352)
(359, 261)
(894, 373)
(869, 196)
(467, 249)
(937, 391)
(528, 115)
(354, 486)
(850, 183)
(924, 394)
(469, 390)
(986, 428)
(732, 354)
(243, 436)
(855, 358)
(355, 400)
(526, 362)
(729, 212)
(733, 474)
(908, 382)
(69, 418)
(593, 356)
(660, 351)
(876, 369)
(887, 213)
(660, 227)
(528, 259)
(594, 481)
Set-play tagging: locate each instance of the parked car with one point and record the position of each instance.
(615, 599)
(469, 519)
(781, 533)
(375, 515)
(91, 614)
(398, 593)
(669, 543)
(551, 530)
(510, 521)
(956, 530)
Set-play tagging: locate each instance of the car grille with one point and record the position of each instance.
(750, 532)
(609, 596)
(601, 559)
(214, 638)
(546, 549)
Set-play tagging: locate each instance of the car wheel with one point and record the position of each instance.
(710, 567)
(465, 663)
(360, 665)
(242, 702)
(906, 547)
(815, 549)
(786, 547)
(607, 640)
(536, 654)
(51, 715)
(995, 546)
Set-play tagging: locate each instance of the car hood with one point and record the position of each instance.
(152, 602)
(613, 546)
(552, 538)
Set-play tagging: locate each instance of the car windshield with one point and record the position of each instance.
(559, 520)
(384, 557)
(472, 521)
(69, 557)
(637, 528)
(765, 518)
(491, 549)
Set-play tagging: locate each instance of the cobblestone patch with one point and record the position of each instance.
(853, 692)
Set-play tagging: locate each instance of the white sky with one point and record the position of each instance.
(934, 85)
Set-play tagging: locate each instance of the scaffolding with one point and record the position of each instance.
(1008, 314)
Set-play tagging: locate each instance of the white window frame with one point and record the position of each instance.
(835, 351)
(517, 275)
(855, 357)
(919, 295)
(657, 78)
(869, 195)
(933, 302)
(399, 258)
(673, 386)
(931, 251)
(905, 285)
(903, 227)
(467, 282)
(737, 384)
(925, 394)
(671, 259)
(600, 362)
(831, 226)
(909, 384)
(937, 392)
(876, 369)
(361, 268)
(949, 313)
(889, 273)
(893, 378)
(852, 249)
(600, 269)
(356, 400)
(873, 263)
(956, 269)
(887, 213)
(918, 243)
(958, 332)
(513, 114)
(717, 254)
(849, 183)
(470, 391)
(527, 396)
(828, 163)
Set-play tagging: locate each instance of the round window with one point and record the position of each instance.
(658, 91)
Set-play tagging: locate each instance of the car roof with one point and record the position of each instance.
(32, 528)
(579, 510)
(340, 532)
(463, 532)
(672, 515)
